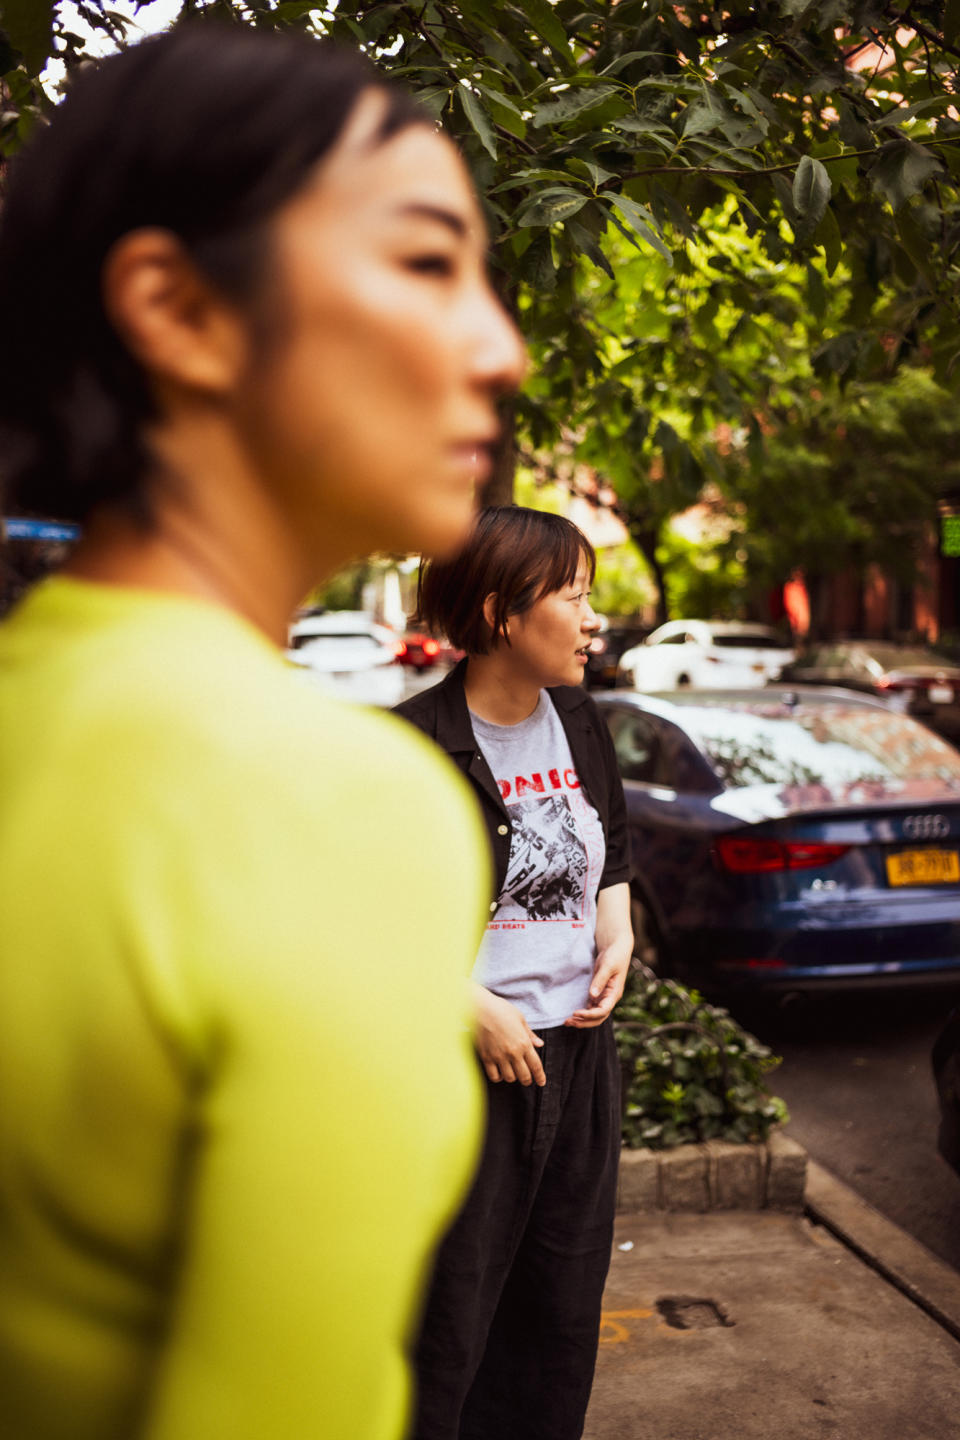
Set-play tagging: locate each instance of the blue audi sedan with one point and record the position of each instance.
(789, 839)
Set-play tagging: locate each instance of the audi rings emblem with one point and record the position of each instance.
(926, 827)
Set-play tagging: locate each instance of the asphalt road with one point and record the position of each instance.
(856, 1077)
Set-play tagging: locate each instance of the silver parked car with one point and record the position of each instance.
(346, 653)
(705, 655)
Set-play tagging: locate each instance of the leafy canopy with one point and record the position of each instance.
(784, 176)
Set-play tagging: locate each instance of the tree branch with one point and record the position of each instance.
(774, 169)
(907, 20)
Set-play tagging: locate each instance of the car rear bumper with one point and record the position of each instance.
(887, 957)
(943, 975)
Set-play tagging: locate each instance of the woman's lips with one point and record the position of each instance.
(475, 456)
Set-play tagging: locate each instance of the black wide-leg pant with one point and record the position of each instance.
(508, 1341)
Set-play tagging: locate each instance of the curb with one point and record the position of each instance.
(714, 1175)
(925, 1279)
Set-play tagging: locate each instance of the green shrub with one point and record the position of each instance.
(689, 1071)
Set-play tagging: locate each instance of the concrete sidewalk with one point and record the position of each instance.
(761, 1325)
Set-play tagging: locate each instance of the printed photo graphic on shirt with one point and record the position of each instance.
(547, 875)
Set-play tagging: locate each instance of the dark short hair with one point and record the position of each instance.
(204, 131)
(517, 554)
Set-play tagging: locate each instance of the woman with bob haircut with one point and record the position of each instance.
(249, 336)
(509, 1337)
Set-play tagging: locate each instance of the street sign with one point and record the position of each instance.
(18, 528)
(950, 535)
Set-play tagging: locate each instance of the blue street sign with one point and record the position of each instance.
(17, 528)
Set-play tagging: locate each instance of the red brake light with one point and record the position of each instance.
(399, 650)
(430, 647)
(744, 856)
(893, 683)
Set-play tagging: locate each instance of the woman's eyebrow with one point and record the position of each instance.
(450, 218)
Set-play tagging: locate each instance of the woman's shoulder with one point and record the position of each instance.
(575, 699)
(437, 706)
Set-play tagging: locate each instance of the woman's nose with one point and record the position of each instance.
(500, 360)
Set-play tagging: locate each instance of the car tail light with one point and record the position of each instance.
(767, 964)
(892, 683)
(748, 856)
(399, 650)
(430, 647)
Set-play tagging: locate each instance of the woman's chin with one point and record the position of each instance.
(441, 531)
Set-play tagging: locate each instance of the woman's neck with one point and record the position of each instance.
(497, 692)
(214, 534)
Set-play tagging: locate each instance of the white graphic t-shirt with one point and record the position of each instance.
(539, 948)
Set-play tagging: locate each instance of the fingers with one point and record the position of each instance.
(602, 979)
(592, 1015)
(524, 1067)
(536, 1068)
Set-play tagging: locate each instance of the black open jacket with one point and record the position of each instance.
(441, 713)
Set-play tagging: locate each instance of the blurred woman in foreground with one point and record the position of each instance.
(509, 1338)
(248, 336)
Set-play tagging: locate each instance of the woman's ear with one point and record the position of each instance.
(490, 615)
(169, 316)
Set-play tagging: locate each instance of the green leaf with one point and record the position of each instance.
(478, 118)
(571, 103)
(915, 244)
(590, 170)
(585, 242)
(547, 23)
(537, 267)
(552, 205)
(504, 112)
(902, 113)
(641, 220)
(29, 28)
(816, 293)
(902, 169)
(622, 61)
(434, 100)
(854, 131)
(698, 119)
(642, 125)
(829, 237)
(811, 193)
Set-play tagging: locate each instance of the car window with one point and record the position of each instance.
(748, 640)
(636, 743)
(837, 746)
(356, 642)
(679, 639)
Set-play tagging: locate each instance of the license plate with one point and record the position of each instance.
(941, 694)
(923, 867)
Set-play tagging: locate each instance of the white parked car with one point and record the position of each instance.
(346, 653)
(704, 654)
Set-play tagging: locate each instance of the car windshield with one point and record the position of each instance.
(836, 746)
(906, 657)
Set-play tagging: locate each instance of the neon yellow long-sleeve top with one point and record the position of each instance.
(237, 1099)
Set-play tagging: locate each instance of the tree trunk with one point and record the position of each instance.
(647, 541)
(498, 490)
